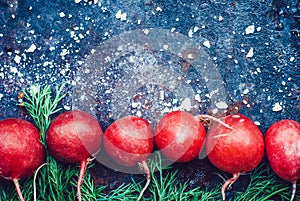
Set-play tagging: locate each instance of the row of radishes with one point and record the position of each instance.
(234, 144)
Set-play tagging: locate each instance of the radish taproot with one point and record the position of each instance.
(21, 151)
(179, 136)
(129, 142)
(74, 136)
(283, 150)
(235, 150)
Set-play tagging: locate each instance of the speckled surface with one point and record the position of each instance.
(252, 45)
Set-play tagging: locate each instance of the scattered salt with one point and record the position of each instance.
(66, 107)
(292, 59)
(186, 104)
(220, 18)
(77, 1)
(158, 9)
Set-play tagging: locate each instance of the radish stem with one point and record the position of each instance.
(214, 119)
(143, 165)
(34, 180)
(294, 190)
(228, 183)
(83, 165)
(16, 182)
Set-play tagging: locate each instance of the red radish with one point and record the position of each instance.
(179, 136)
(74, 136)
(129, 141)
(21, 151)
(236, 150)
(283, 150)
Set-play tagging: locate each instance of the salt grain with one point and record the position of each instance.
(250, 53)
(250, 29)
(206, 44)
(277, 107)
(32, 48)
(17, 59)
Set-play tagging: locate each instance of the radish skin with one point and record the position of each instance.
(74, 137)
(129, 141)
(21, 151)
(236, 148)
(283, 150)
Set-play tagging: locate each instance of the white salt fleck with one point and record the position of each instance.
(173, 29)
(93, 51)
(139, 113)
(277, 107)
(165, 46)
(77, 1)
(258, 70)
(283, 83)
(13, 69)
(17, 59)
(229, 56)
(196, 28)
(190, 33)
(197, 98)
(66, 107)
(146, 31)
(51, 48)
(135, 104)
(158, 9)
(258, 29)
(221, 105)
(292, 59)
(1, 96)
(33, 89)
(206, 44)
(123, 16)
(250, 29)
(62, 14)
(246, 91)
(32, 48)
(250, 53)
(139, 21)
(220, 18)
(177, 19)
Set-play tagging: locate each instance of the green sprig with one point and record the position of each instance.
(40, 105)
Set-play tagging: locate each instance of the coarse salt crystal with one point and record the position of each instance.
(17, 59)
(62, 14)
(277, 107)
(77, 1)
(32, 48)
(250, 53)
(190, 33)
(206, 44)
(250, 29)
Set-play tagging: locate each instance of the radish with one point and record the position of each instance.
(236, 150)
(129, 141)
(74, 136)
(283, 150)
(21, 151)
(179, 136)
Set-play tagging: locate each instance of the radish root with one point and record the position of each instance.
(34, 180)
(294, 190)
(16, 182)
(83, 166)
(214, 119)
(228, 183)
(144, 167)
